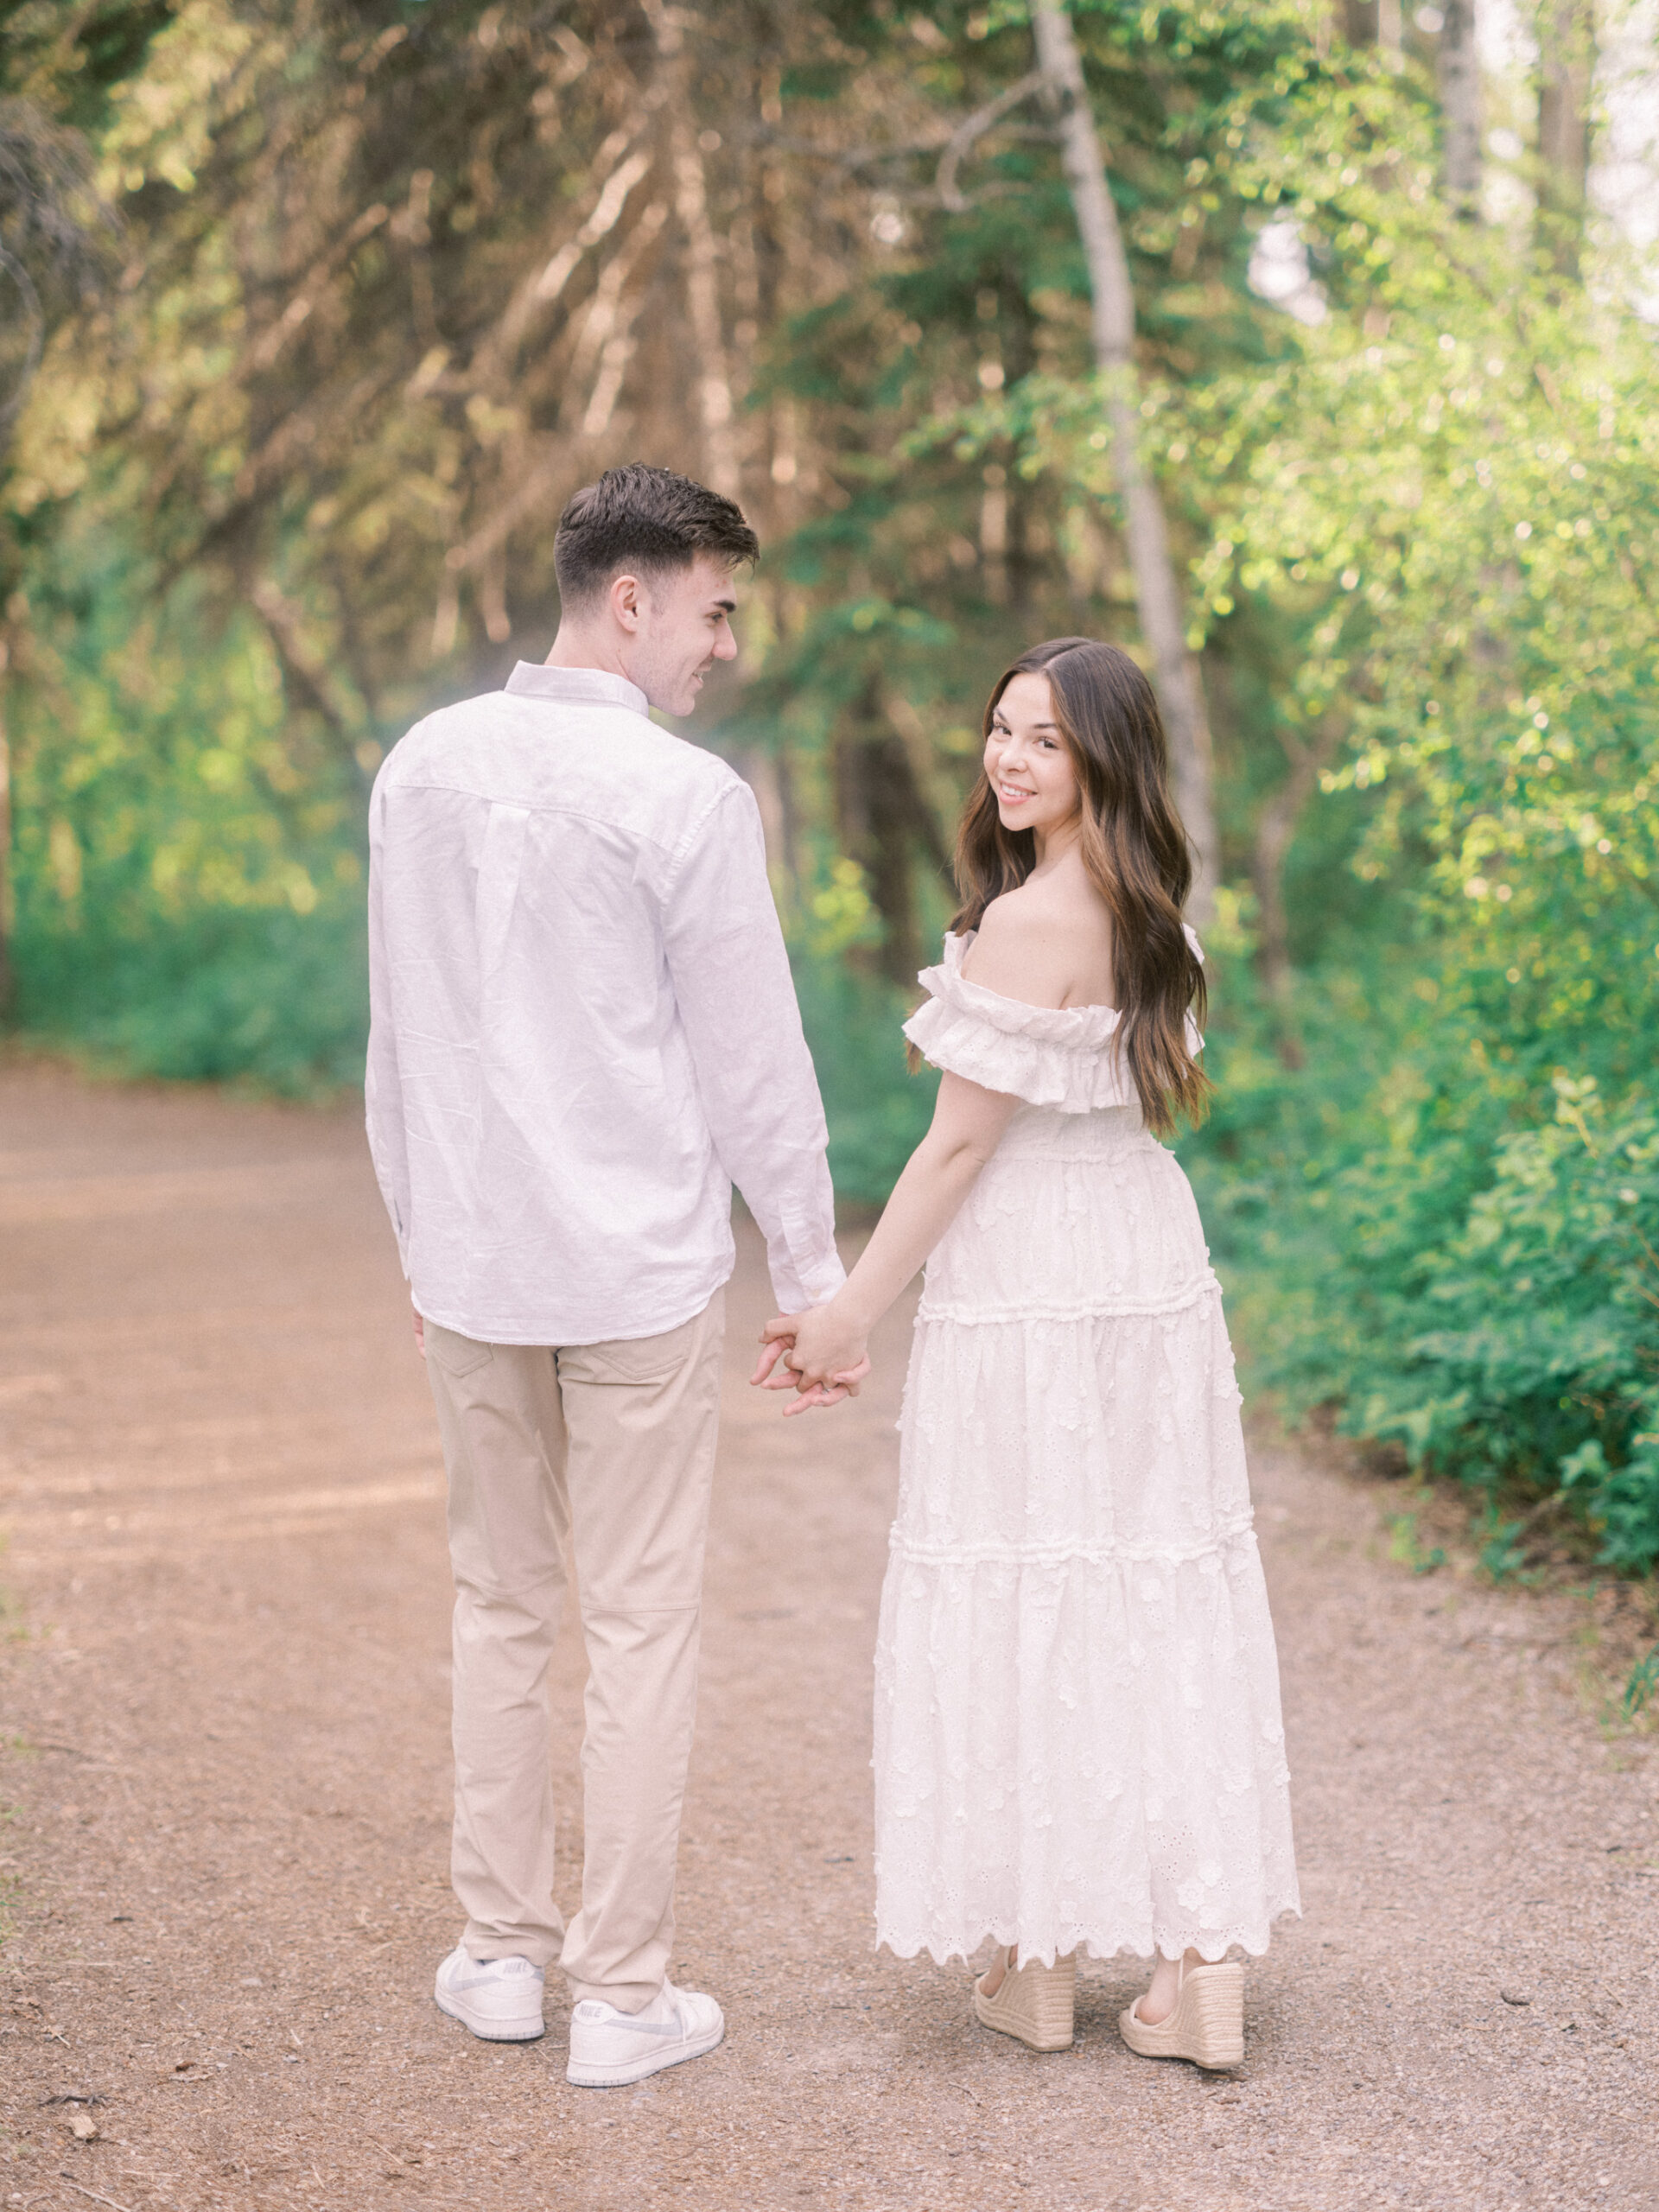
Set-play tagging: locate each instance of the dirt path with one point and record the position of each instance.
(223, 1702)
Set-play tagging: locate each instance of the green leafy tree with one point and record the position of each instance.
(385, 282)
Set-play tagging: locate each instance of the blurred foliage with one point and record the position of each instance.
(360, 294)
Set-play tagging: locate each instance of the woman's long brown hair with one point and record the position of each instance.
(1134, 847)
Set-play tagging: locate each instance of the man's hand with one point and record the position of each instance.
(420, 1332)
(820, 1354)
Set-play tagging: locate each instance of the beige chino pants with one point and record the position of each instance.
(603, 1454)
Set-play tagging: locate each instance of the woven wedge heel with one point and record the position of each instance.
(1033, 2002)
(1206, 2025)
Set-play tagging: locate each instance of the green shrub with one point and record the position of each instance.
(1540, 1359)
(261, 995)
(1488, 1299)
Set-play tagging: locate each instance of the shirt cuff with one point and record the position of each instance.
(805, 1268)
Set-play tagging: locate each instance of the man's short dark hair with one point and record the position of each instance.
(647, 519)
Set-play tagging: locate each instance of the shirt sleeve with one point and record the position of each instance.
(760, 1092)
(383, 1089)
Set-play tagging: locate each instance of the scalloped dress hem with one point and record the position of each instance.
(1254, 1943)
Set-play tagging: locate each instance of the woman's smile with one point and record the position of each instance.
(1027, 762)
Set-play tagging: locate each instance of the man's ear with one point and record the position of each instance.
(626, 597)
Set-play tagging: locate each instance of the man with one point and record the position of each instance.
(583, 1032)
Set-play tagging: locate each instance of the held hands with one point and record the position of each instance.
(819, 1354)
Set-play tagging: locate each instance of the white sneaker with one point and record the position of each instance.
(499, 1999)
(608, 2048)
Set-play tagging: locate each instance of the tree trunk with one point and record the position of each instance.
(1369, 22)
(714, 382)
(702, 301)
(1458, 67)
(1566, 46)
(883, 821)
(1163, 624)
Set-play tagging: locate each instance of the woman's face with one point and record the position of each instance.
(1027, 761)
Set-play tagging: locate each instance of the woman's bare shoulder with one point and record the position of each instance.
(1023, 950)
(1014, 915)
(1045, 944)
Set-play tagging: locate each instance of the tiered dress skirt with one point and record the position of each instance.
(1078, 1735)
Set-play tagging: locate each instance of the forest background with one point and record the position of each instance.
(312, 315)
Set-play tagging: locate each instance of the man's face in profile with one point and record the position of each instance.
(684, 627)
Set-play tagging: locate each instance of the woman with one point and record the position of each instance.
(1077, 1741)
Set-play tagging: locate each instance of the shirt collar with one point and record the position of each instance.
(590, 685)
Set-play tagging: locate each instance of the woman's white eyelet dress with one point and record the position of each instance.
(1077, 1736)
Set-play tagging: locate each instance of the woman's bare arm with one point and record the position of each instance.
(829, 1341)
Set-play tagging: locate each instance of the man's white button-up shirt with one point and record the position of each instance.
(583, 1027)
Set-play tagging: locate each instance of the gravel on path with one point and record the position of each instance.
(224, 1783)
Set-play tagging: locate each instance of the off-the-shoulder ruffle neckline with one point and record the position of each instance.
(1084, 1025)
(1081, 1026)
(1062, 1057)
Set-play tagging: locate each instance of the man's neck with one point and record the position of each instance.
(582, 649)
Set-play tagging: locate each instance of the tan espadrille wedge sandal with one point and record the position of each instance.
(1032, 2002)
(1206, 2024)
